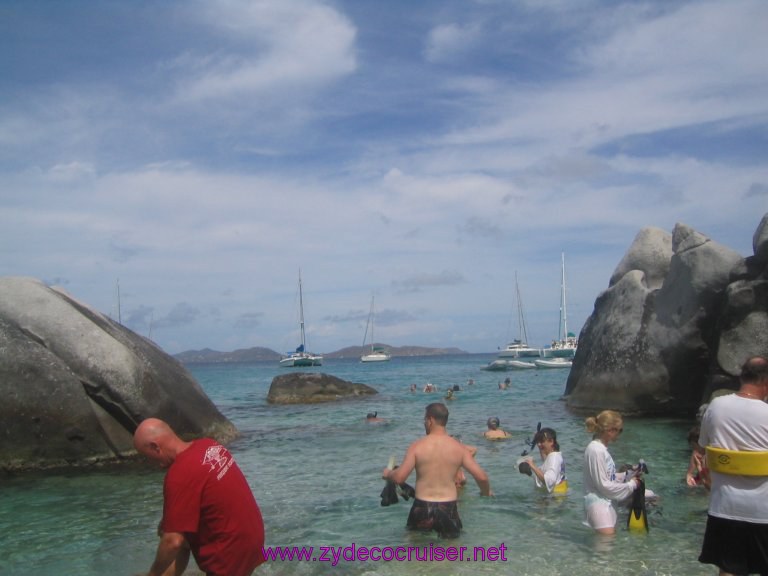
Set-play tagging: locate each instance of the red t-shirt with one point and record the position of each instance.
(208, 499)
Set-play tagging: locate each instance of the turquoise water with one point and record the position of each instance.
(315, 471)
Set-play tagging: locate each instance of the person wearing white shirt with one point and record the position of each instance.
(602, 484)
(551, 475)
(736, 537)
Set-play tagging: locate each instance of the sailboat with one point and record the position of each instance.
(301, 357)
(566, 343)
(377, 353)
(519, 348)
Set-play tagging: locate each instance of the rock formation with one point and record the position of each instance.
(680, 316)
(312, 388)
(75, 384)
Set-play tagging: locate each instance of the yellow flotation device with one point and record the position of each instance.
(738, 462)
(561, 488)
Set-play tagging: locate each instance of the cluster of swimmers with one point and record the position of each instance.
(734, 429)
(449, 395)
(605, 486)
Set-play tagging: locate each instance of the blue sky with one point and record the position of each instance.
(201, 153)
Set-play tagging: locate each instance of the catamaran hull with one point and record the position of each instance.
(519, 353)
(300, 361)
(560, 351)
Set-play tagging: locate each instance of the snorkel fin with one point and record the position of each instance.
(389, 493)
(638, 519)
(406, 491)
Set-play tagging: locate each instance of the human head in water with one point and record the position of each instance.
(371, 415)
(436, 412)
(545, 435)
(493, 423)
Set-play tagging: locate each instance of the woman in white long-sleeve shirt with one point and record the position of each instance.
(602, 484)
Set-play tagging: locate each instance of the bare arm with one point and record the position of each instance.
(401, 473)
(471, 466)
(172, 552)
(694, 466)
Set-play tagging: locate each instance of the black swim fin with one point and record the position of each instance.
(638, 518)
(389, 494)
(406, 491)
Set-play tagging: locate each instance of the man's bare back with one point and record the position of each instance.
(437, 458)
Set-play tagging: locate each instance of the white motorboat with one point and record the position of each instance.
(377, 353)
(520, 364)
(300, 357)
(496, 366)
(553, 363)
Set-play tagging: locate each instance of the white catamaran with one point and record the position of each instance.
(519, 348)
(301, 357)
(377, 353)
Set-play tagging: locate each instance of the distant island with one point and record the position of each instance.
(257, 354)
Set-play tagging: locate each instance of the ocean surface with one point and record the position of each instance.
(316, 474)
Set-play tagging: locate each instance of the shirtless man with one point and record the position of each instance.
(437, 458)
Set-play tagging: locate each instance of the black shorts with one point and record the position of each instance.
(735, 546)
(442, 517)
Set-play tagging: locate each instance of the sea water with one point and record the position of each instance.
(316, 473)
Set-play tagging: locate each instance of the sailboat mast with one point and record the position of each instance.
(301, 315)
(520, 317)
(369, 325)
(563, 309)
(372, 323)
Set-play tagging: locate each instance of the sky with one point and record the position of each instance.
(197, 156)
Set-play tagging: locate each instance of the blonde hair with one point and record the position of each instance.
(602, 422)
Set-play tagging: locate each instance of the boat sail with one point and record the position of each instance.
(519, 347)
(301, 357)
(566, 343)
(377, 353)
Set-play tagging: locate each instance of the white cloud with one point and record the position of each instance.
(268, 47)
(448, 41)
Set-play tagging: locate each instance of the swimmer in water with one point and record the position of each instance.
(494, 432)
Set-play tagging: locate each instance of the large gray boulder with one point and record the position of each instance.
(75, 384)
(680, 316)
(312, 388)
(743, 329)
(650, 254)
